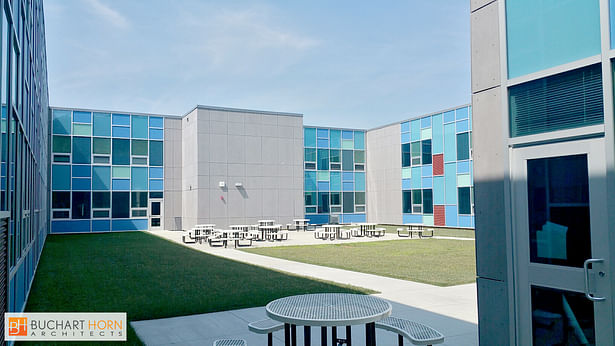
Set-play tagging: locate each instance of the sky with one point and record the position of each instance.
(357, 64)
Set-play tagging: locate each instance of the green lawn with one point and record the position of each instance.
(439, 262)
(149, 278)
(442, 232)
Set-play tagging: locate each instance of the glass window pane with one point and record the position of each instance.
(138, 179)
(405, 155)
(155, 153)
(310, 198)
(336, 139)
(61, 144)
(156, 122)
(336, 198)
(139, 126)
(155, 195)
(82, 152)
(310, 155)
(463, 146)
(347, 160)
(417, 197)
(139, 213)
(81, 205)
(121, 203)
(101, 178)
(139, 199)
(427, 201)
(359, 140)
(82, 129)
(323, 202)
(60, 177)
(102, 124)
(101, 199)
(334, 155)
(121, 152)
(309, 137)
(463, 198)
(416, 149)
(139, 160)
(426, 151)
(348, 202)
(61, 122)
(359, 156)
(82, 117)
(60, 200)
(407, 202)
(100, 214)
(101, 159)
(359, 197)
(101, 145)
(323, 159)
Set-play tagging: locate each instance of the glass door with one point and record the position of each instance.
(561, 251)
(155, 215)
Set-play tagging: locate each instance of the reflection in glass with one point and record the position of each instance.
(558, 210)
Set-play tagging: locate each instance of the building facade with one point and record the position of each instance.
(544, 164)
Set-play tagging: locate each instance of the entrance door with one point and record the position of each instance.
(155, 215)
(561, 247)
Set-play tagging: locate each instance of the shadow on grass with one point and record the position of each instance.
(150, 278)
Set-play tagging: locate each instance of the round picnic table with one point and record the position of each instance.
(328, 310)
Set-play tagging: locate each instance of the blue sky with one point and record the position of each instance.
(343, 63)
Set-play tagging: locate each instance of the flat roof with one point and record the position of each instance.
(114, 112)
(421, 116)
(242, 110)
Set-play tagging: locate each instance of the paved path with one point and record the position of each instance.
(451, 310)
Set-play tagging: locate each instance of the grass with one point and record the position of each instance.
(150, 278)
(440, 262)
(442, 232)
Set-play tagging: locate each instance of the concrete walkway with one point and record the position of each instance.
(451, 310)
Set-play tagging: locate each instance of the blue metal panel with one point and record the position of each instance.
(156, 134)
(438, 190)
(72, 226)
(336, 181)
(437, 134)
(426, 170)
(310, 181)
(425, 122)
(335, 139)
(347, 176)
(463, 167)
(322, 133)
(120, 119)
(450, 212)
(347, 186)
(405, 126)
(359, 181)
(101, 225)
(129, 225)
(413, 218)
(415, 130)
(156, 172)
(318, 219)
(461, 113)
(416, 177)
(465, 221)
(60, 177)
(347, 135)
(82, 171)
(450, 177)
(449, 116)
(405, 137)
(323, 186)
(82, 117)
(156, 184)
(462, 126)
(120, 184)
(406, 184)
(82, 184)
(309, 137)
(450, 143)
(359, 140)
(101, 178)
(427, 183)
(156, 122)
(121, 132)
(323, 143)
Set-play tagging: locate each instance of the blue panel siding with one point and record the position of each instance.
(359, 181)
(82, 184)
(451, 215)
(335, 139)
(318, 219)
(416, 177)
(463, 167)
(156, 122)
(425, 122)
(347, 186)
(450, 143)
(465, 221)
(82, 117)
(156, 184)
(352, 218)
(120, 119)
(462, 126)
(156, 134)
(101, 225)
(406, 184)
(347, 134)
(438, 190)
(426, 183)
(82, 171)
(335, 180)
(72, 226)
(323, 143)
(413, 218)
(156, 172)
(450, 177)
(437, 134)
(322, 133)
(405, 137)
(449, 116)
(309, 137)
(426, 170)
(323, 186)
(405, 126)
(120, 184)
(129, 225)
(415, 130)
(121, 132)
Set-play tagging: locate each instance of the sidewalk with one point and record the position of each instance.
(451, 310)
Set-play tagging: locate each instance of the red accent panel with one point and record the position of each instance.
(438, 215)
(438, 164)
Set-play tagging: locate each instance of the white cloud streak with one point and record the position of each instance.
(108, 14)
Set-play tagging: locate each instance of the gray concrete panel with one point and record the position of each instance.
(485, 48)
(493, 312)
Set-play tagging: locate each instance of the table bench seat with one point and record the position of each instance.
(417, 333)
(230, 342)
(266, 326)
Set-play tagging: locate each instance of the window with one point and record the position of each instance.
(310, 155)
(348, 199)
(139, 199)
(101, 145)
(81, 205)
(61, 119)
(336, 198)
(426, 151)
(359, 197)
(415, 149)
(427, 201)
(121, 152)
(155, 153)
(347, 160)
(139, 126)
(309, 137)
(359, 156)
(121, 203)
(323, 159)
(97, 214)
(81, 150)
(156, 194)
(463, 146)
(334, 155)
(102, 124)
(323, 202)
(139, 212)
(417, 201)
(405, 155)
(138, 179)
(61, 144)
(60, 200)
(139, 147)
(101, 178)
(101, 200)
(407, 202)
(310, 165)
(310, 198)
(463, 200)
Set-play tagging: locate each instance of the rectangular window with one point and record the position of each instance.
(309, 137)
(101, 200)
(405, 155)
(139, 212)
(139, 147)
(463, 146)
(61, 120)
(82, 152)
(426, 151)
(427, 201)
(310, 198)
(98, 214)
(101, 145)
(323, 202)
(359, 156)
(417, 201)
(102, 124)
(323, 159)
(359, 198)
(155, 194)
(101, 159)
(310, 165)
(463, 200)
(61, 214)
(138, 178)
(81, 205)
(407, 202)
(61, 144)
(121, 204)
(336, 198)
(310, 155)
(415, 149)
(347, 160)
(155, 153)
(348, 202)
(121, 152)
(334, 155)
(60, 200)
(139, 126)
(139, 199)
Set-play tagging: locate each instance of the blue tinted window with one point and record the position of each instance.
(121, 119)
(101, 178)
(156, 122)
(547, 33)
(156, 172)
(461, 113)
(82, 152)
(120, 205)
(336, 139)
(82, 184)
(120, 184)
(138, 178)
(61, 122)
(425, 122)
(82, 171)
(359, 140)
(347, 176)
(156, 134)
(359, 181)
(322, 133)
(139, 126)
(102, 124)
(415, 130)
(121, 151)
(336, 181)
(82, 117)
(346, 134)
(81, 205)
(323, 159)
(155, 153)
(449, 116)
(155, 184)
(309, 137)
(462, 126)
(121, 131)
(310, 181)
(323, 143)
(347, 186)
(60, 177)
(405, 127)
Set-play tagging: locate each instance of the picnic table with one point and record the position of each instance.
(301, 224)
(332, 231)
(417, 229)
(328, 310)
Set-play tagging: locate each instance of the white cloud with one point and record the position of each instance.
(107, 13)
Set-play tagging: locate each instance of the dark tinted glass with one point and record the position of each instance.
(405, 155)
(139, 147)
(463, 146)
(426, 151)
(463, 200)
(407, 202)
(323, 202)
(81, 150)
(310, 198)
(121, 152)
(348, 202)
(155, 153)
(60, 200)
(427, 201)
(81, 205)
(347, 160)
(101, 145)
(139, 200)
(323, 159)
(121, 205)
(101, 199)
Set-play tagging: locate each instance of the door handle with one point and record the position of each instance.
(589, 295)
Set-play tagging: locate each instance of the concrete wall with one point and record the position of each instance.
(383, 175)
(491, 167)
(172, 174)
(261, 151)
